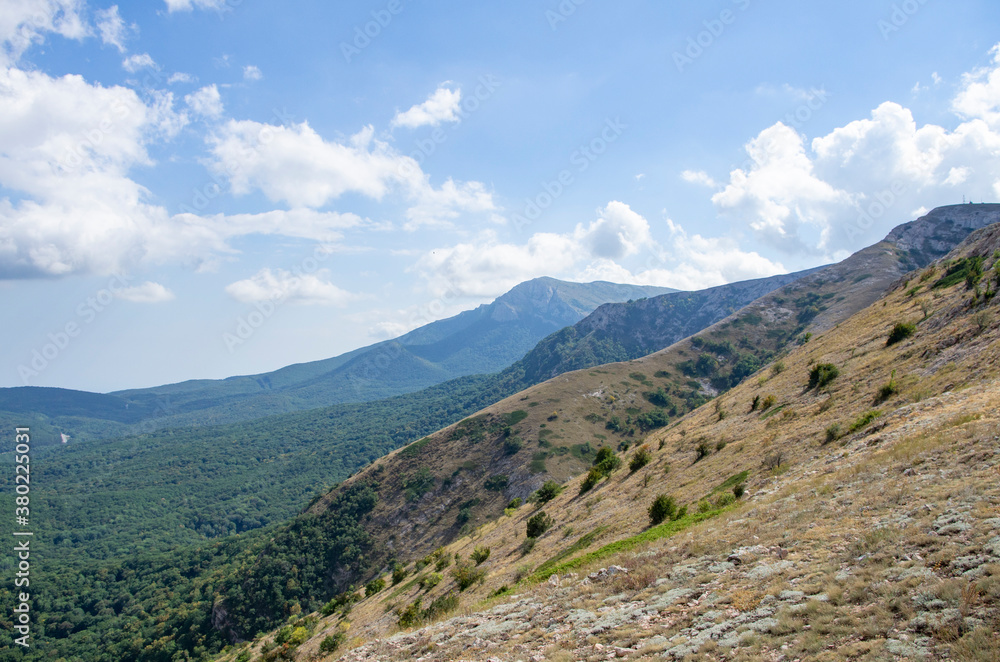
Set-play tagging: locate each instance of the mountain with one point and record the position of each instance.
(480, 341)
(402, 507)
(436, 489)
(840, 505)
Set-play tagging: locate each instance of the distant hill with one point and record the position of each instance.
(480, 341)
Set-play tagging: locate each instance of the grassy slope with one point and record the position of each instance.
(566, 418)
(931, 453)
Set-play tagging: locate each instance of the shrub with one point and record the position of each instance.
(515, 503)
(702, 451)
(466, 575)
(332, 642)
(244, 656)
(823, 374)
(640, 458)
(527, 546)
(430, 581)
(663, 507)
(900, 332)
(720, 445)
(833, 433)
(593, 478)
(497, 483)
(768, 402)
(755, 403)
(374, 586)
(739, 490)
(398, 574)
(864, 420)
(442, 605)
(606, 461)
(443, 562)
(778, 368)
(512, 445)
(539, 524)
(550, 490)
(887, 390)
(724, 500)
(411, 615)
(480, 554)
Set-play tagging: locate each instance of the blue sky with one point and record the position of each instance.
(204, 188)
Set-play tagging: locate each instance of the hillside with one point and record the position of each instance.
(447, 484)
(840, 504)
(480, 341)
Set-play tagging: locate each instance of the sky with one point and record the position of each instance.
(207, 188)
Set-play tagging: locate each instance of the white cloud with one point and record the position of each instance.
(134, 63)
(180, 77)
(848, 188)
(188, 5)
(295, 165)
(699, 177)
(24, 22)
(284, 286)
(252, 72)
(206, 102)
(111, 28)
(980, 96)
(486, 267)
(148, 292)
(442, 106)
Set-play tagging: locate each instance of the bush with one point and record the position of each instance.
(900, 332)
(864, 420)
(887, 390)
(512, 445)
(547, 492)
(823, 374)
(398, 574)
(410, 616)
(374, 586)
(606, 461)
(833, 433)
(430, 581)
(480, 554)
(725, 500)
(515, 503)
(332, 642)
(497, 483)
(739, 490)
(527, 546)
(702, 451)
(768, 402)
(640, 458)
(466, 575)
(755, 403)
(539, 524)
(444, 560)
(593, 477)
(663, 507)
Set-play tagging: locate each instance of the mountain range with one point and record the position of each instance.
(187, 536)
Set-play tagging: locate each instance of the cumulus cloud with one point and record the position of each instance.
(180, 77)
(442, 106)
(111, 28)
(699, 177)
(295, 165)
(189, 5)
(285, 286)
(24, 22)
(148, 292)
(846, 189)
(134, 63)
(487, 267)
(251, 72)
(206, 102)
